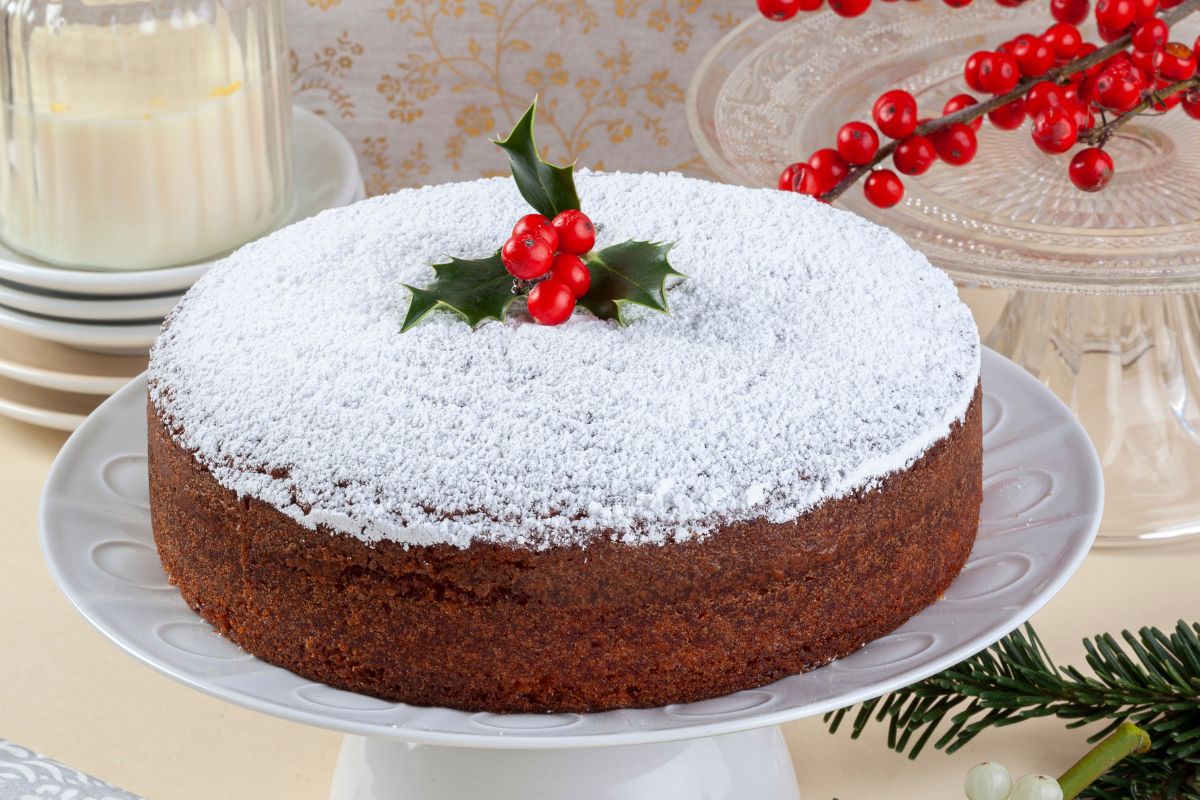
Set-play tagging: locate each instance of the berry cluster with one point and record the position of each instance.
(1066, 87)
(548, 251)
(991, 781)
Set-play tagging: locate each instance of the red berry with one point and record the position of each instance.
(1085, 50)
(1010, 3)
(1091, 169)
(1108, 34)
(1084, 118)
(1055, 130)
(537, 225)
(883, 188)
(575, 232)
(857, 142)
(571, 272)
(551, 302)
(1064, 39)
(1071, 12)
(527, 256)
(998, 73)
(1008, 116)
(971, 70)
(958, 103)
(914, 155)
(779, 10)
(1115, 15)
(895, 114)
(1178, 62)
(1150, 35)
(796, 178)
(1119, 89)
(1147, 61)
(957, 3)
(955, 144)
(1144, 9)
(1043, 95)
(849, 8)
(828, 169)
(1191, 104)
(1034, 57)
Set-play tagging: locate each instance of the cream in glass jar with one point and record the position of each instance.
(142, 134)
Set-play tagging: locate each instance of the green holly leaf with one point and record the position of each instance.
(475, 289)
(549, 189)
(630, 272)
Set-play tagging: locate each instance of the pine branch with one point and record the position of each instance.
(1151, 679)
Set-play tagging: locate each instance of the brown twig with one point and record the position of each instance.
(1059, 75)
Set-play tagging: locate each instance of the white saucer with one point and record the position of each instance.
(326, 175)
(132, 338)
(45, 407)
(1042, 505)
(36, 362)
(83, 308)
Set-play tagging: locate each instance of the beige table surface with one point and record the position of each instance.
(67, 692)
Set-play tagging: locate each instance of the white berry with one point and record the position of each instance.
(1036, 787)
(987, 781)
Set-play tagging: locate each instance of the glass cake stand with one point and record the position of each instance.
(1042, 500)
(1104, 307)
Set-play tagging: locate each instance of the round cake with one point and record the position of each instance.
(572, 518)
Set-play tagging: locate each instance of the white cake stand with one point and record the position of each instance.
(1043, 497)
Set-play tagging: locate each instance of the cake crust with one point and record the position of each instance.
(603, 625)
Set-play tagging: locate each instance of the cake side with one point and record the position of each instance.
(504, 628)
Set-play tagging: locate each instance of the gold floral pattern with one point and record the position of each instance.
(420, 85)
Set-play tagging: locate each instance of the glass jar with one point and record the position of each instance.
(142, 133)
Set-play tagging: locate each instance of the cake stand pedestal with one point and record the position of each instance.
(1105, 311)
(1042, 500)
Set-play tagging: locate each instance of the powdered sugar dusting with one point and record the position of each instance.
(808, 354)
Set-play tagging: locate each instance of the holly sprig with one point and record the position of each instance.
(479, 289)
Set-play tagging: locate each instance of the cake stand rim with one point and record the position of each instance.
(1084, 465)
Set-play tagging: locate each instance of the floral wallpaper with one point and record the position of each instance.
(420, 85)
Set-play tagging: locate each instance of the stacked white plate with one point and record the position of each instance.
(69, 338)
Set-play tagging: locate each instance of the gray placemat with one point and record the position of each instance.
(25, 775)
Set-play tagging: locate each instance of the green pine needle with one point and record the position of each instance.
(1151, 679)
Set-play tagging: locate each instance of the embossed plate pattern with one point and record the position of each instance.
(1043, 497)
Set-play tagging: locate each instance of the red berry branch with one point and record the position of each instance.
(1067, 88)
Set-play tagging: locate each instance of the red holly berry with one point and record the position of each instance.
(1147, 61)
(575, 232)
(971, 70)
(526, 257)
(1055, 130)
(1144, 9)
(883, 188)
(1150, 35)
(998, 72)
(1034, 57)
(779, 10)
(1178, 62)
(1085, 120)
(895, 114)
(539, 226)
(1064, 39)
(795, 178)
(828, 169)
(1091, 169)
(551, 302)
(570, 271)
(849, 8)
(1115, 15)
(1043, 95)
(1168, 101)
(1191, 104)
(1008, 116)
(957, 3)
(1010, 3)
(914, 155)
(857, 142)
(1119, 88)
(1071, 12)
(958, 103)
(955, 144)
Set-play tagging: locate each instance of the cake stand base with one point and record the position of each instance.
(754, 764)
(1129, 367)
